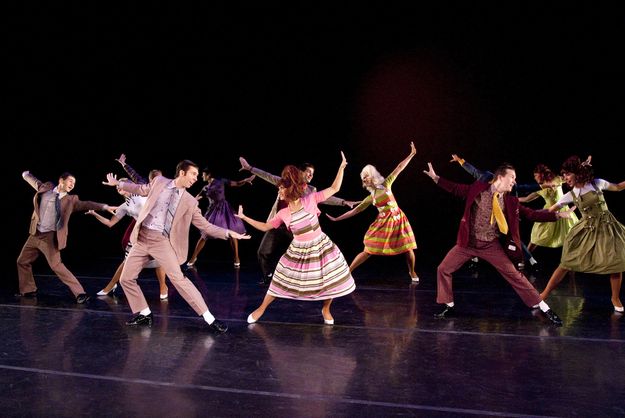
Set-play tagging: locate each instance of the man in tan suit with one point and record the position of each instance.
(162, 232)
(48, 232)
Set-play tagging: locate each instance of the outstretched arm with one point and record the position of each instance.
(134, 176)
(268, 177)
(361, 206)
(616, 187)
(102, 219)
(243, 182)
(400, 167)
(475, 172)
(32, 180)
(261, 226)
(338, 180)
(529, 197)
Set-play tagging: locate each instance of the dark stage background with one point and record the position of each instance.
(524, 83)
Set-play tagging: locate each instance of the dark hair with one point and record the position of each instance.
(206, 170)
(304, 166)
(293, 181)
(501, 170)
(65, 175)
(583, 171)
(184, 166)
(545, 173)
(154, 173)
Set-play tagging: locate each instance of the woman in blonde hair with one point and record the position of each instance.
(390, 233)
(313, 267)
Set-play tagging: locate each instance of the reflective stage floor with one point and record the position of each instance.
(385, 356)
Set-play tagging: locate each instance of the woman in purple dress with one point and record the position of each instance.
(219, 212)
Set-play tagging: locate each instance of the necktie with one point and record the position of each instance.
(171, 209)
(57, 207)
(497, 215)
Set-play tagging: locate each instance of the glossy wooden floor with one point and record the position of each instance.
(386, 356)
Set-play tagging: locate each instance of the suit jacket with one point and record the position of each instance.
(187, 213)
(69, 204)
(512, 210)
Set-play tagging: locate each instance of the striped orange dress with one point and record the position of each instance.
(390, 233)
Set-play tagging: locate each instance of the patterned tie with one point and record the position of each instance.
(57, 207)
(171, 209)
(497, 215)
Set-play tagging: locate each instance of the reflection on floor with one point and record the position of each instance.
(385, 356)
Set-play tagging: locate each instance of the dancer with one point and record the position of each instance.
(313, 267)
(596, 244)
(219, 211)
(490, 212)
(390, 233)
(276, 240)
(524, 189)
(162, 232)
(131, 207)
(48, 233)
(548, 234)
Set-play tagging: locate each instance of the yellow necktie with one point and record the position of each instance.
(497, 215)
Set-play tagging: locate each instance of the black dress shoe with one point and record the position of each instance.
(141, 320)
(218, 326)
(265, 280)
(32, 294)
(446, 313)
(555, 319)
(82, 298)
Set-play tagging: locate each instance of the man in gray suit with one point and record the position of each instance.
(162, 232)
(48, 232)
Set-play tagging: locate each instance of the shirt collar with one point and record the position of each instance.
(61, 194)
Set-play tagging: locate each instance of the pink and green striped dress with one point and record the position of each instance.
(313, 267)
(390, 233)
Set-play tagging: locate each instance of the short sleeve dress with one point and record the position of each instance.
(552, 234)
(219, 211)
(596, 244)
(390, 233)
(313, 267)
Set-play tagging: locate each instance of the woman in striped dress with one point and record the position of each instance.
(313, 267)
(390, 233)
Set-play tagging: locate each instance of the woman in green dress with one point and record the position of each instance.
(548, 234)
(596, 244)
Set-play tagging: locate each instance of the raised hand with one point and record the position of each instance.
(344, 160)
(430, 172)
(456, 158)
(121, 159)
(111, 180)
(244, 164)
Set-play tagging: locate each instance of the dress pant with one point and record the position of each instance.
(44, 242)
(272, 246)
(492, 253)
(154, 245)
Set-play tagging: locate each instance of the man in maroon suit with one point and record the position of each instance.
(48, 232)
(162, 232)
(490, 212)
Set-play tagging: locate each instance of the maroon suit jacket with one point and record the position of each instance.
(513, 209)
(69, 204)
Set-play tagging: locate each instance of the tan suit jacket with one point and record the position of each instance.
(69, 204)
(187, 213)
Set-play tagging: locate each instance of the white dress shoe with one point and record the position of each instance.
(415, 279)
(103, 293)
(619, 308)
(250, 319)
(164, 296)
(327, 321)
